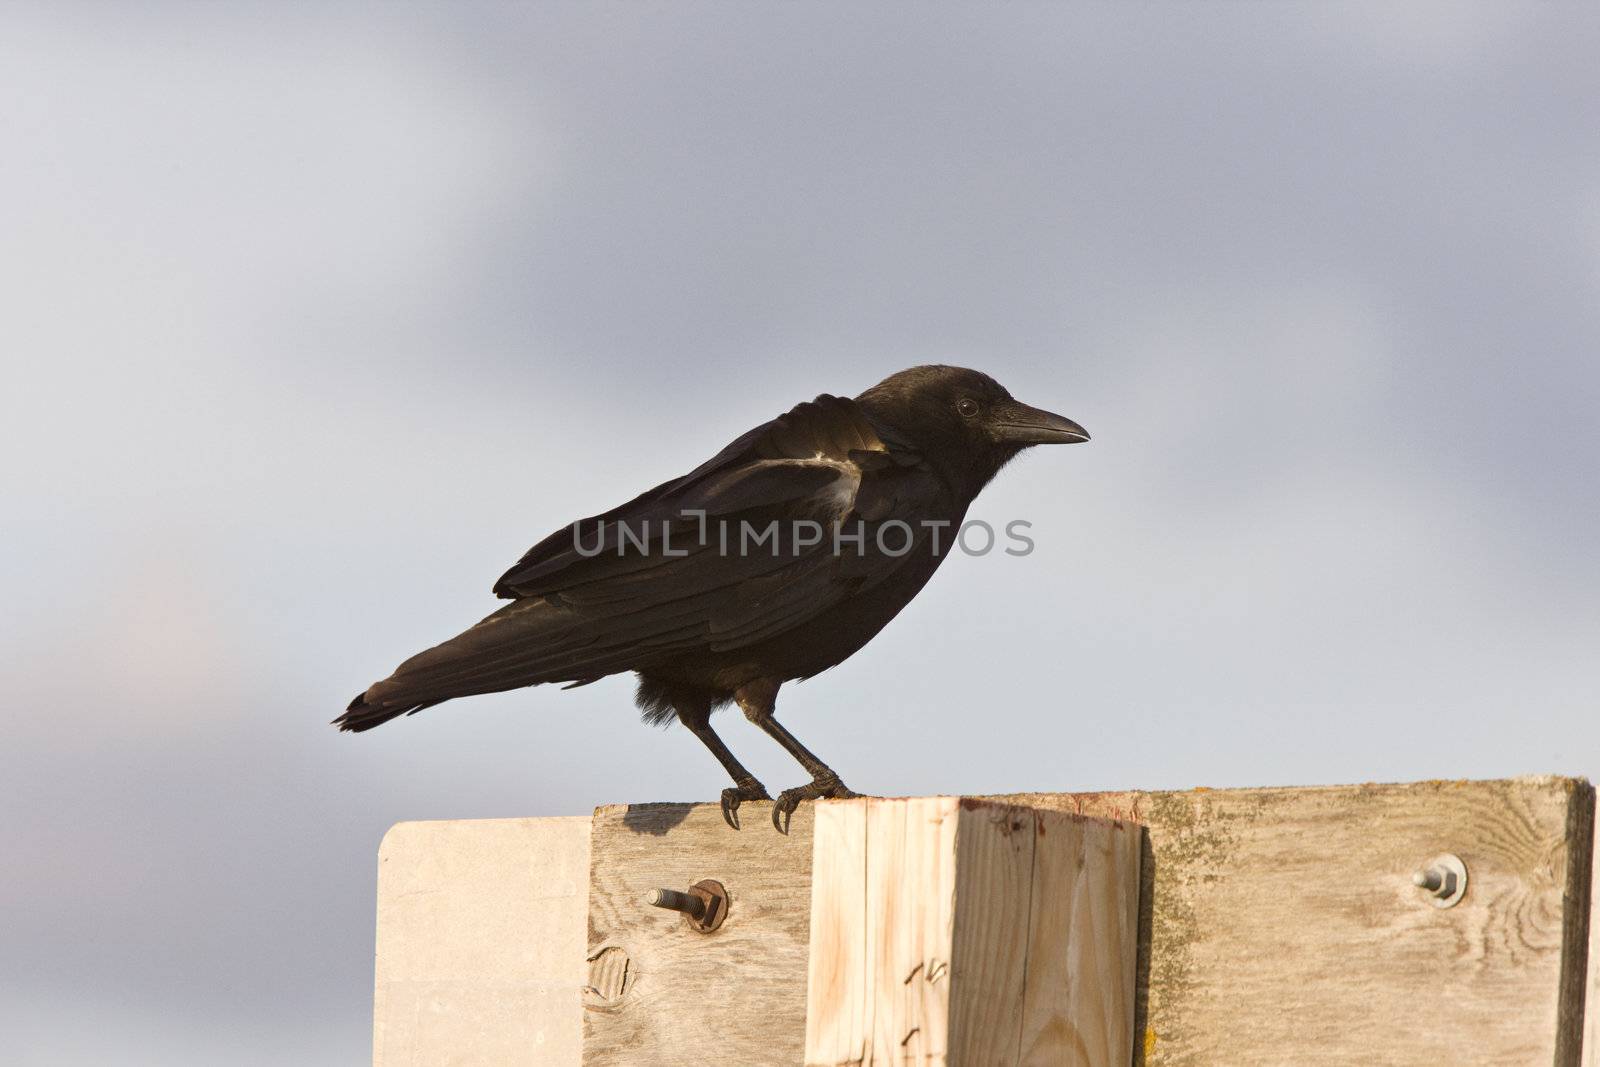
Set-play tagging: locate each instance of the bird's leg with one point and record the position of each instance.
(824, 781)
(757, 700)
(745, 787)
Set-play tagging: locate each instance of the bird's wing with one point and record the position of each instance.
(639, 584)
(693, 584)
(808, 462)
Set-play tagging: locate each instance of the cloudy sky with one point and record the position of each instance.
(314, 319)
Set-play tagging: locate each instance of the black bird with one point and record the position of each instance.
(774, 560)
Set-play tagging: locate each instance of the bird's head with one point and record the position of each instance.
(966, 422)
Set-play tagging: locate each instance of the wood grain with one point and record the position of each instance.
(1277, 926)
(973, 933)
(988, 954)
(734, 996)
(480, 943)
(837, 983)
(1083, 934)
(882, 917)
(1283, 926)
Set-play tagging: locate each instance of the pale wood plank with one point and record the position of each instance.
(966, 947)
(927, 983)
(1083, 934)
(898, 904)
(839, 919)
(480, 943)
(989, 943)
(910, 888)
(888, 890)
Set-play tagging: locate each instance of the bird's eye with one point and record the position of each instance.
(967, 407)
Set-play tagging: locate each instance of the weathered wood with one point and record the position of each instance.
(1576, 918)
(480, 943)
(1284, 927)
(956, 932)
(1591, 1004)
(839, 990)
(1277, 926)
(671, 996)
(1078, 1006)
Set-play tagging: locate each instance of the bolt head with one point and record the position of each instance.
(1445, 879)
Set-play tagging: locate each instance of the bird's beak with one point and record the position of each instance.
(1019, 424)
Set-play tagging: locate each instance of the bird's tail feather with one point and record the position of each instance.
(361, 715)
(528, 642)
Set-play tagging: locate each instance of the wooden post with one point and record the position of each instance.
(1275, 926)
(661, 994)
(966, 932)
(480, 943)
(1284, 926)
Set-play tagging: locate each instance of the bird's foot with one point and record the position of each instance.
(746, 789)
(824, 785)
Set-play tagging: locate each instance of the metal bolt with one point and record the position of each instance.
(688, 903)
(703, 906)
(1445, 878)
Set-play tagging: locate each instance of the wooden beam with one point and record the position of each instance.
(480, 943)
(661, 993)
(1283, 926)
(948, 931)
(1276, 925)
(1271, 920)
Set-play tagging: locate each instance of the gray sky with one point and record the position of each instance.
(315, 319)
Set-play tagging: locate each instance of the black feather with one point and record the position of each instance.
(636, 588)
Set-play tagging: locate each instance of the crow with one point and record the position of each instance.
(772, 561)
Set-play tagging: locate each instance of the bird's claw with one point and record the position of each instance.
(732, 797)
(826, 786)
